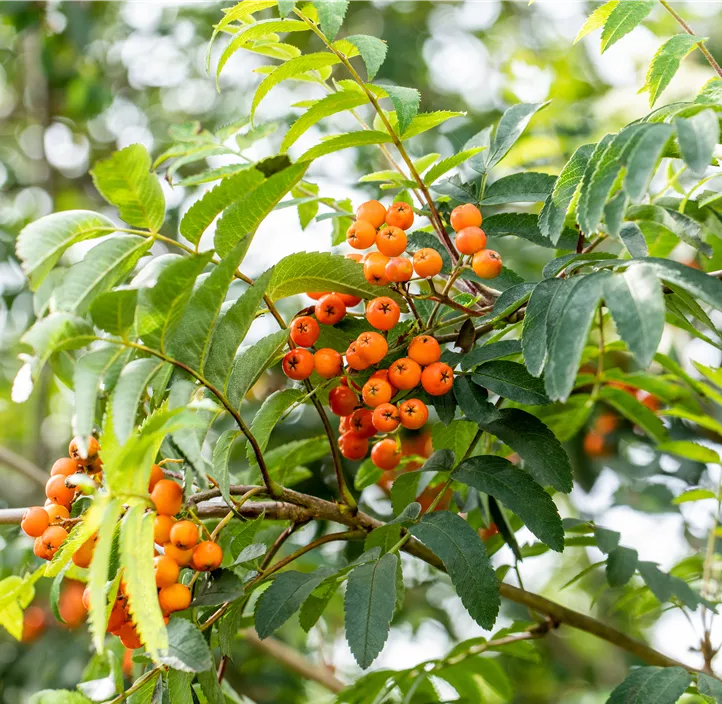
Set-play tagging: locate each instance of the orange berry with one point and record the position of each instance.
(167, 497)
(129, 636)
(401, 215)
(467, 215)
(405, 374)
(383, 313)
(35, 521)
(328, 363)
(182, 557)
(161, 528)
(207, 556)
(330, 309)
(53, 538)
(606, 423)
(74, 450)
(399, 269)
(348, 300)
(427, 496)
(470, 240)
(487, 264)
(648, 400)
(57, 492)
(34, 621)
(354, 358)
(94, 466)
(490, 532)
(413, 413)
(39, 549)
(361, 423)
(417, 444)
(184, 534)
(372, 347)
(437, 379)
(342, 400)
(386, 454)
(83, 556)
(386, 418)
(427, 263)
(156, 474)
(57, 513)
(376, 391)
(118, 616)
(425, 350)
(354, 255)
(361, 234)
(316, 295)
(86, 598)
(64, 466)
(166, 571)
(372, 211)
(384, 374)
(305, 331)
(594, 444)
(70, 603)
(298, 364)
(391, 241)
(352, 446)
(375, 269)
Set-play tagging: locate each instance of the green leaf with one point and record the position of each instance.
(242, 11)
(473, 401)
(526, 226)
(221, 456)
(270, 413)
(291, 68)
(136, 556)
(187, 649)
(690, 451)
(597, 19)
(445, 165)
(651, 685)
(406, 103)
(542, 453)
(179, 687)
(512, 486)
(114, 311)
(621, 565)
(633, 239)
(248, 210)
(693, 494)
(666, 63)
(425, 121)
(664, 586)
(534, 330)
(367, 475)
(513, 122)
(644, 159)
(284, 597)
(330, 15)
(58, 696)
(205, 210)
(361, 138)
(489, 351)
(92, 519)
(695, 282)
(127, 394)
(698, 136)
(710, 687)
(623, 19)
(556, 206)
(251, 363)
(511, 380)
(526, 187)
(102, 267)
(125, 180)
(57, 331)
(330, 105)
(635, 411)
(569, 334)
(636, 302)
(372, 50)
(369, 605)
(463, 553)
(41, 243)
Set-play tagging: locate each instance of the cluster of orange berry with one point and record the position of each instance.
(471, 240)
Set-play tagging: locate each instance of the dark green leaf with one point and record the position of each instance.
(513, 122)
(698, 136)
(526, 226)
(534, 330)
(621, 565)
(222, 586)
(473, 401)
(529, 187)
(114, 311)
(511, 380)
(633, 239)
(373, 52)
(635, 411)
(651, 685)
(644, 159)
(494, 350)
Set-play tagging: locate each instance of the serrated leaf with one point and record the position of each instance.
(221, 456)
(710, 687)
(526, 226)
(698, 136)
(492, 350)
(127, 394)
(623, 19)
(597, 19)
(635, 411)
(636, 302)
(125, 180)
(534, 331)
(651, 685)
(463, 553)
(92, 519)
(114, 311)
(58, 696)
(690, 451)
(526, 187)
(695, 282)
(633, 239)
(103, 267)
(511, 125)
(445, 165)
(473, 401)
(251, 363)
(425, 121)
(41, 243)
(330, 105)
(361, 138)
(406, 102)
(57, 331)
(511, 380)
(330, 15)
(372, 50)
(543, 454)
(666, 62)
(512, 486)
(369, 605)
(270, 413)
(644, 159)
(187, 649)
(238, 13)
(621, 565)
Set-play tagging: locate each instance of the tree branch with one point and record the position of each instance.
(20, 464)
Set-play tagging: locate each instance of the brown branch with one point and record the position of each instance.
(20, 464)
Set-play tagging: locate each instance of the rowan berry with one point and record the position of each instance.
(399, 269)
(489, 532)
(405, 374)
(361, 234)
(182, 557)
(35, 521)
(64, 466)
(386, 454)
(342, 400)
(118, 616)
(376, 391)
(161, 528)
(386, 418)
(207, 556)
(594, 444)
(74, 450)
(353, 255)
(167, 497)
(361, 423)
(384, 374)
(470, 240)
(344, 424)
(401, 215)
(156, 474)
(352, 446)
(606, 423)
(413, 413)
(427, 496)
(425, 350)
(94, 466)
(129, 636)
(330, 309)
(298, 364)
(375, 269)
(39, 549)
(391, 241)
(328, 363)
(417, 444)
(316, 295)
(83, 556)
(372, 211)
(56, 513)
(348, 300)
(57, 492)
(354, 358)
(427, 263)
(437, 379)
(648, 400)
(304, 331)
(166, 571)
(53, 537)
(372, 347)
(487, 264)
(383, 313)
(34, 621)
(184, 534)
(467, 215)
(70, 603)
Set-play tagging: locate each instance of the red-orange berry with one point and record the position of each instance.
(342, 400)
(391, 241)
(425, 350)
(376, 391)
(361, 423)
(470, 240)
(399, 269)
(166, 571)
(437, 379)
(328, 363)
(427, 263)
(298, 364)
(487, 264)
(184, 535)
(39, 549)
(352, 446)
(57, 492)
(175, 597)
(372, 347)
(52, 538)
(167, 497)
(305, 331)
(354, 358)
(386, 454)
(401, 215)
(57, 513)
(74, 450)
(83, 556)
(372, 211)
(361, 234)
(330, 309)
(35, 521)
(467, 215)
(348, 300)
(386, 418)
(207, 556)
(64, 466)
(413, 413)
(182, 557)
(405, 374)
(161, 528)
(375, 269)
(156, 474)
(383, 313)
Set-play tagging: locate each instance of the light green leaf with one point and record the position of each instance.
(644, 159)
(621, 565)
(58, 696)
(651, 685)
(512, 486)
(445, 165)
(186, 648)
(41, 243)
(689, 450)
(698, 136)
(511, 380)
(242, 12)
(635, 411)
(513, 122)
(369, 606)
(330, 15)
(210, 175)
(102, 267)
(114, 311)
(125, 180)
(92, 519)
(57, 331)
(425, 121)
(597, 19)
(372, 50)
(360, 138)
(666, 62)
(691, 495)
(463, 553)
(406, 102)
(127, 394)
(623, 19)
(251, 363)
(525, 187)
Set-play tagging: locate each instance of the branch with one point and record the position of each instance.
(20, 464)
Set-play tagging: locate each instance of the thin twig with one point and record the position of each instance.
(21, 465)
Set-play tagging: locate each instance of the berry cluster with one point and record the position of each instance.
(471, 240)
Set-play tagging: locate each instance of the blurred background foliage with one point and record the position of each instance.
(81, 79)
